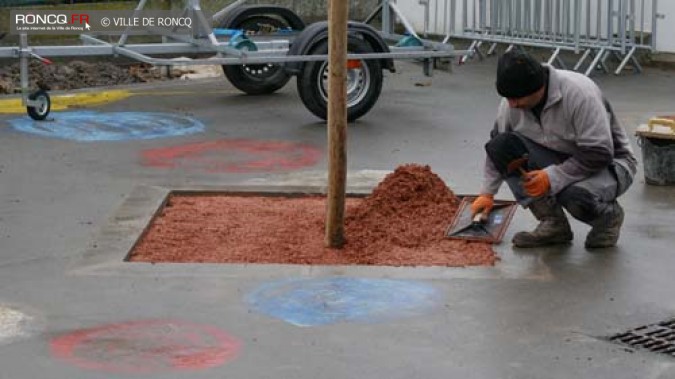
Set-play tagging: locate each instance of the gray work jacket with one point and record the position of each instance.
(576, 120)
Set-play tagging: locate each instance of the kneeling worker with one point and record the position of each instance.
(558, 144)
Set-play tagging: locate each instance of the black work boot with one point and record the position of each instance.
(553, 228)
(606, 228)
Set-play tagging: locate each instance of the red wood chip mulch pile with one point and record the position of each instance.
(402, 223)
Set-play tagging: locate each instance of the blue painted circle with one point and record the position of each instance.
(311, 302)
(110, 126)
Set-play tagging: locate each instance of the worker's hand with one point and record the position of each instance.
(483, 203)
(536, 183)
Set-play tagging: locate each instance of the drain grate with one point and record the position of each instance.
(657, 338)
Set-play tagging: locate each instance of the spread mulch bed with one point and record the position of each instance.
(401, 223)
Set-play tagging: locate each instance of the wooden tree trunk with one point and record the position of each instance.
(337, 121)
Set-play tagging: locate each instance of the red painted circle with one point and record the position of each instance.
(146, 347)
(234, 156)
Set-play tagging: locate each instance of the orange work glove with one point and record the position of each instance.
(483, 203)
(536, 183)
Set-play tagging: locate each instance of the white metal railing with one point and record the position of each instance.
(591, 28)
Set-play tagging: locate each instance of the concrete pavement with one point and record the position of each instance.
(71, 308)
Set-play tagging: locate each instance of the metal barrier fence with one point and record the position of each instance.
(592, 28)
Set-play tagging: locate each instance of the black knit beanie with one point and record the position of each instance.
(519, 75)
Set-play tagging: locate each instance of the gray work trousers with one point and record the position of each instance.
(586, 200)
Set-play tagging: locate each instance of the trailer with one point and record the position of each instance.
(260, 47)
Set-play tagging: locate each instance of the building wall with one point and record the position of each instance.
(665, 39)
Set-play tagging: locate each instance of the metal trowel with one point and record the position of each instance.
(475, 229)
(481, 227)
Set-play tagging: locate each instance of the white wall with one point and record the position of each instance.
(665, 39)
(440, 19)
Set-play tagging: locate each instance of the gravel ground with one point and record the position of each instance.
(81, 74)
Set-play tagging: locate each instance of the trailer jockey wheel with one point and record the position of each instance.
(41, 106)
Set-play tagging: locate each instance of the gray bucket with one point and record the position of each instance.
(658, 156)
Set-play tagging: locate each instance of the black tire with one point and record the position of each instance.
(41, 111)
(257, 79)
(363, 89)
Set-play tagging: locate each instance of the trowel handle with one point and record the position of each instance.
(479, 218)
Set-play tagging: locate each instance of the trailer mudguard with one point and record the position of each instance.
(238, 14)
(318, 32)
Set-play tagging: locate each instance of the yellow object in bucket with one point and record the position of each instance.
(657, 140)
(658, 127)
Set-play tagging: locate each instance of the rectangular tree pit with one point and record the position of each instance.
(401, 223)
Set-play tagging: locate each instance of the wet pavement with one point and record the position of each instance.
(70, 209)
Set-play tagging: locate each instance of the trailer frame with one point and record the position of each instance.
(267, 50)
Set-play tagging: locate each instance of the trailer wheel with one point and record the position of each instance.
(364, 81)
(40, 111)
(257, 79)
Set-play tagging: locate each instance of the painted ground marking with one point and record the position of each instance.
(313, 302)
(65, 101)
(110, 126)
(234, 156)
(13, 324)
(91, 99)
(147, 346)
